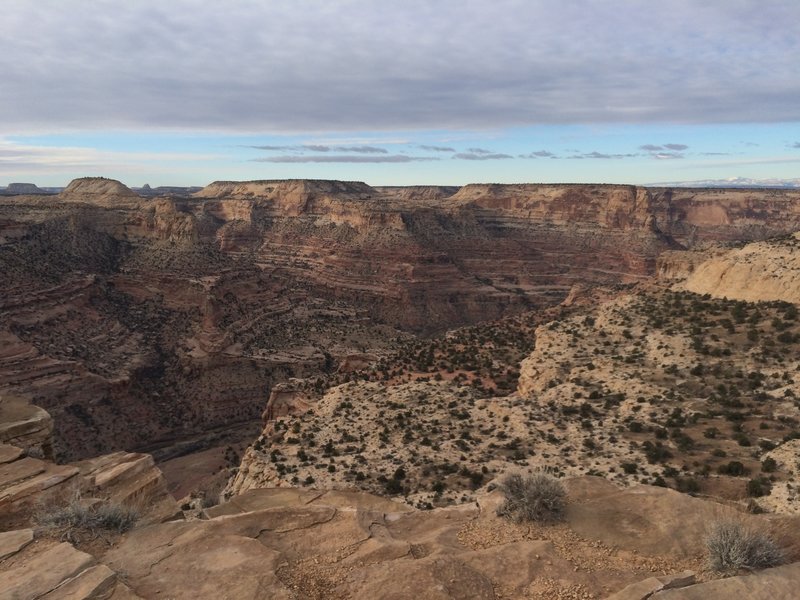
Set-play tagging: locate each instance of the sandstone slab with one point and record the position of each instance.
(95, 583)
(770, 584)
(12, 542)
(44, 572)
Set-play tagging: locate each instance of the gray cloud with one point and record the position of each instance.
(667, 155)
(662, 147)
(601, 155)
(538, 154)
(187, 64)
(361, 149)
(795, 145)
(324, 148)
(437, 148)
(343, 158)
(480, 156)
(275, 148)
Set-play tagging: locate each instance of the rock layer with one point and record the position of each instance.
(182, 312)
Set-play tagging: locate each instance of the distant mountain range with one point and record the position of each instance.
(732, 182)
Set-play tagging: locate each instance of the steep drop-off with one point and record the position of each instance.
(137, 320)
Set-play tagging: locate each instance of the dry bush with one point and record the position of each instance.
(536, 496)
(75, 514)
(731, 546)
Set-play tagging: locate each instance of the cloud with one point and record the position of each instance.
(667, 155)
(479, 151)
(187, 65)
(324, 148)
(275, 148)
(437, 148)
(795, 145)
(343, 158)
(736, 162)
(17, 157)
(662, 147)
(538, 154)
(486, 155)
(601, 155)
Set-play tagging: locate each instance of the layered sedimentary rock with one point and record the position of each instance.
(762, 271)
(182, 312)
(26, 426)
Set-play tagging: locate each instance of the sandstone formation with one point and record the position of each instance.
(27, 426)
(24, 188)
(310, 544)
(119, 308)
(761, 271)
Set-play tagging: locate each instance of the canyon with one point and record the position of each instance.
(344, 360)
(178, 314)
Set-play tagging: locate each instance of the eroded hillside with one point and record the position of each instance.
(178, 314)
(659, 387)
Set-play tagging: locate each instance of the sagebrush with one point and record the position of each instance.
(732, 545)
(76, 513)
(536, 496)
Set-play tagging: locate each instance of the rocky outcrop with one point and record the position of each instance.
(97, 190)
(313, 544)
(286, 399)
(780, 582)
(24, 188)
(27, 426)
(123, 478)
(28, 476)
(757, 272)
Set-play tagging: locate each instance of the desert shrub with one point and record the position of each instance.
(760, 486)
(733, 468)
(77, 514)
(536, 496)
(769, 464)
(732, 546)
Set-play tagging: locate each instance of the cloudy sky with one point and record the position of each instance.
(420, 91)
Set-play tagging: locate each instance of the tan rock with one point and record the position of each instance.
(12, 542)
(770, 584)
(431, 578)
(651, 520)
(44, 572)
(642, 590)
(24, 425)
(95, 583)
(758, 272)
(9, 453)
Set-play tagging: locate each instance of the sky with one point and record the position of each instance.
(445, 92)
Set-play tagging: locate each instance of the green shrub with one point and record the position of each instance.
(537, 496)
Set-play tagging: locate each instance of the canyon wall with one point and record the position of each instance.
(135, 320)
